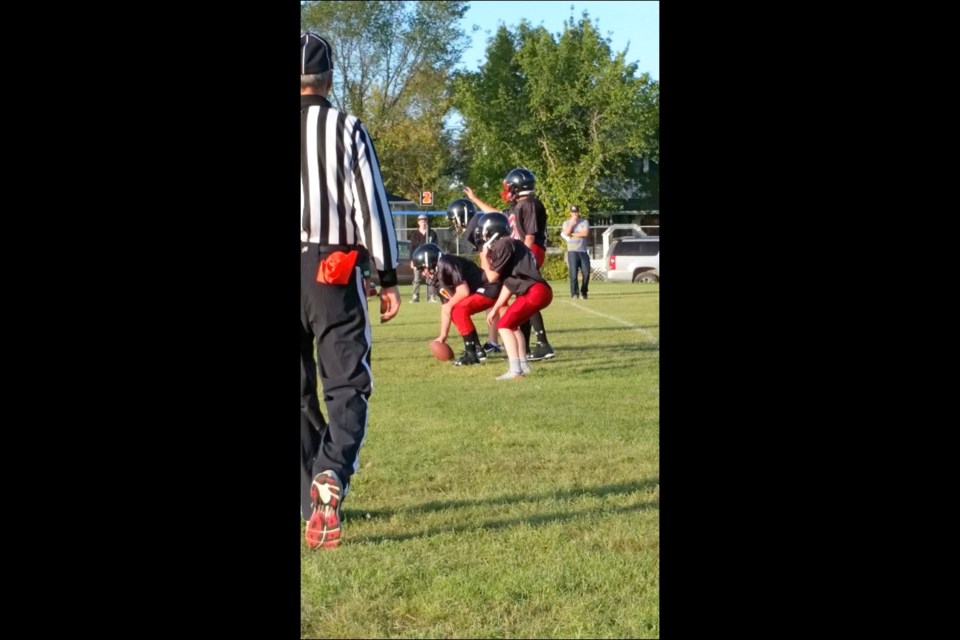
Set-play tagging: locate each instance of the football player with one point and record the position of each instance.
(528, 223)
(509, 261)
(463, 217)
(463, 292)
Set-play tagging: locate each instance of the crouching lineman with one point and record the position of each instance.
(463, 293)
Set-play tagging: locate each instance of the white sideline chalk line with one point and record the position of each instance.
(626, 323)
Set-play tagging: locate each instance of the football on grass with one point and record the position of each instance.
(441, 350)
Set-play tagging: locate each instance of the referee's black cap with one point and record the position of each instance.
(315, 54)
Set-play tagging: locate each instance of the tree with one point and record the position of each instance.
(566, 108)
(392, 66)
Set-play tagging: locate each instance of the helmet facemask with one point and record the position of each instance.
(459, 227)
(426, 258)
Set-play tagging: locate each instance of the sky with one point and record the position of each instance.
(636, 22)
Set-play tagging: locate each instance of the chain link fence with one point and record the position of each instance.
(452, 243)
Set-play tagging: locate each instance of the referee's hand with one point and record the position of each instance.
(389, 303)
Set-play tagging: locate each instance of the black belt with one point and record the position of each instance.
(326, 249)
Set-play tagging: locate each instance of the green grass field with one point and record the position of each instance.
(504, 509)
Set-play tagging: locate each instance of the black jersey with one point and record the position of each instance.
(452, 271)
(471, 230)
(516, 265)
(529, 218)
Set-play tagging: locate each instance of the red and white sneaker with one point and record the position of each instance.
(323, 527)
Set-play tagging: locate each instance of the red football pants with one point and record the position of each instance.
(460, 314)
(523, 307)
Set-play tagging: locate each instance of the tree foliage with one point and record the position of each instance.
(565, 107)
(392, 66)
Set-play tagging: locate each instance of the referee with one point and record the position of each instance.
(345, 228)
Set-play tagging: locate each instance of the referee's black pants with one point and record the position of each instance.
(335, 318)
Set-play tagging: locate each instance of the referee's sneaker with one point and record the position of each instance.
(323, 527)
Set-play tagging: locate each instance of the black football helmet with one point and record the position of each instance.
(492, 226)
(459, 213)
(426, 256)
(518, 181)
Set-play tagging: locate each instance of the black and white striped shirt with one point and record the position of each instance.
(342, 197)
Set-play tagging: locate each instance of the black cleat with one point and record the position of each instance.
(466, 358)
(542, 352)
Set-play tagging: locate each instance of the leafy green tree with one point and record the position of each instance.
(566, 108)
(392, 66)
